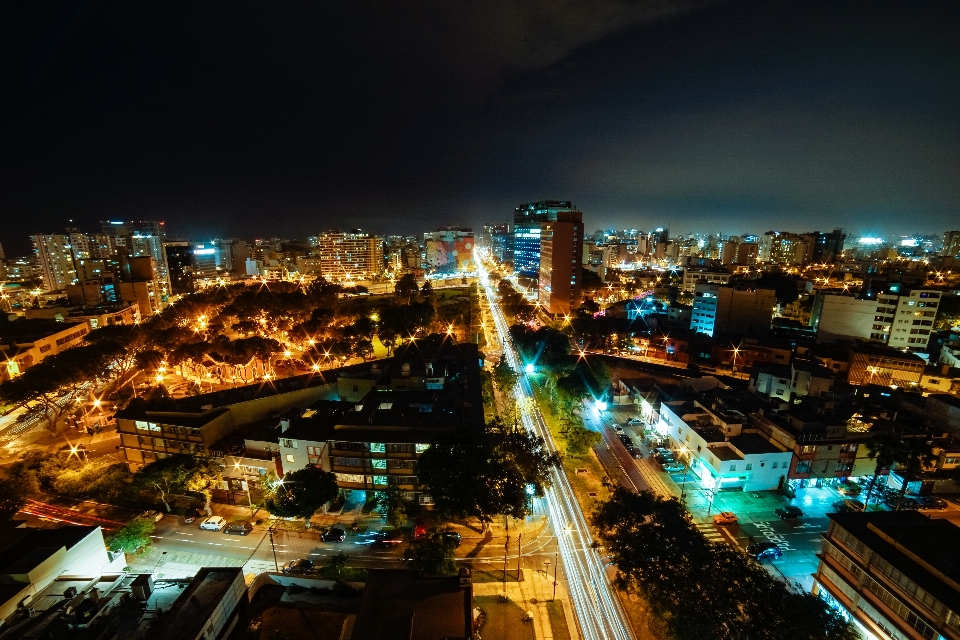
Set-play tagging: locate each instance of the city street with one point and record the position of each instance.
(597, 607)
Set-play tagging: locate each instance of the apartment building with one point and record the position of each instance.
(384, 417)
(913, 323)
(349, 256)
(55, 260)
(895, 573)
(694, 276)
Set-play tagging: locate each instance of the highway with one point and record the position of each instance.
(597, 608)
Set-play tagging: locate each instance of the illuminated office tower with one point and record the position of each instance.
(561, 249)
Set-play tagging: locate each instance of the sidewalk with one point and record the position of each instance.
(532, 594)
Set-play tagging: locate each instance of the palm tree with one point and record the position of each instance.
(914, 455)
(885, 447)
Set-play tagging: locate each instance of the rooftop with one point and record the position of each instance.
(399, 604)
(193, 608)
(883, 351)
(24, 331)
(752, 444)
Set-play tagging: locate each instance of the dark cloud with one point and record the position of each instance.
(253, 118)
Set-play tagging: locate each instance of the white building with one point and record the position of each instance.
(718, 451)
(913, 323)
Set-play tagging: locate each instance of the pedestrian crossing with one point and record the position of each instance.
(710, 532)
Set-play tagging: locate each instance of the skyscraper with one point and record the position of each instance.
(561, 250)
(951, 244)
(55, 259)
(528, 220)
(179, 257)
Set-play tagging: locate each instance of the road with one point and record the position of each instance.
(597, 608)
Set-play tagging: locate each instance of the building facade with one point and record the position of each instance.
(893, 573)
(561, 245)
(528, 220)
(730, 311)
(349, 256)
(55, 260)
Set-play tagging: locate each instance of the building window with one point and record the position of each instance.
(803, 466)
(378, 447)
(379, 464)
(288, 444)
(382, 480)
(421, 448)
(775, 465)
(289, 457)
(733, 467)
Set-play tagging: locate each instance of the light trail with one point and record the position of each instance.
(597, 607)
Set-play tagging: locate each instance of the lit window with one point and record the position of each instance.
(379, 464)
(380, 480)
(289, 457)
(377, 447)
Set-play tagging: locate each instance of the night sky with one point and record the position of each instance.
(286, 118)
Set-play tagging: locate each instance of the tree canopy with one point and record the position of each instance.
(486, 474)
(433, 556)
(703, 590)
(301, 493)
(178, 473)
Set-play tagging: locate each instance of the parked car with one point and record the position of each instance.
(634, 421)
(213, 523)
(241, 528)
(192, 514)
(788, 512)
(673, 468)
(931, 502)
(618, 428)
(909, 504)
(849, 489)
(662, 459)
(725, 517)
(451, 536)
(298, 566)
(156, 516)
(760, 550)
(848, 506)
(333, 534)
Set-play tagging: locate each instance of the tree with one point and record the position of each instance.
(180, 472)
(394, 508)
(495, 471)
(504, 376)
(426, 291)
(912, 457)
(701, 589)
(786, 289)
(13, 496)
(132, 536)
(302, 493)
(433, 556)
(405, 288)
(883, 446)
(580, 439)
(338, 562)
(590, 280)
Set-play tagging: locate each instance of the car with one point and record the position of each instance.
(298, 566)
(909, 504)
(419, 530)
(192, 514)
(625, 439)
(618, 428)
(725, 517)
(241, 528)
(788, 512)
(388, 538)
(634, 421)
(636, 453)
(213, 523)
(931, 502)
(451, 536)
(849, 489)
(156, 516)
(848, 506)
(760, 550)
(333, 534)
(673, 468)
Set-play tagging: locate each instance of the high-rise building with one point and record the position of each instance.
(561, 249)
(349, 256)
(232, 255)
(825, 247)
(449, 250)
(528, 222)
(726, 310)
(179, 256)
(501, 241)
(204, 262)
(902, 319)
(951, 244)
(55, 259)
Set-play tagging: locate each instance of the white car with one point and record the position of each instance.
(214, 523)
